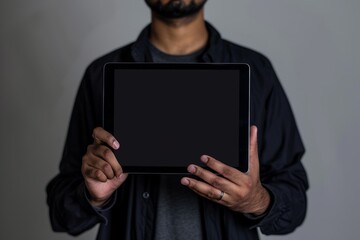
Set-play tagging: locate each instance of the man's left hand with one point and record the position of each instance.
(241, 192)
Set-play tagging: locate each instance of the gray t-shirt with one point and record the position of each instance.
(178, 213)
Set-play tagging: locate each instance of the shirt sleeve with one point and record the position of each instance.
(69, 208)
(281, 171)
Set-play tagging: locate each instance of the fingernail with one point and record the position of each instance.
(116, 144)
(191, 169)
(121, 175)
(185, 181)
(204, 158)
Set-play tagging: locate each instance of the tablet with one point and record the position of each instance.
(167, 115)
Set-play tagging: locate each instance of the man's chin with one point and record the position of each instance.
(175, 9)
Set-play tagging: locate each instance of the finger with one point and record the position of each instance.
(98, 163)
(119, 180)
(122, 177)
(204, 190)
(94, 173)
(107, 156)
(226, 171)
(212, 179)
(254, 156)
(101, 136)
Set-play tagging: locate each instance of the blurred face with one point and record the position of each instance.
(175, 8)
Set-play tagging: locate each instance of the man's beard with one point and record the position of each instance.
(175, 9)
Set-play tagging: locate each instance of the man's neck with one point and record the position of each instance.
(179, 36)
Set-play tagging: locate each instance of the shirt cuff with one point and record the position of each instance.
(104, 210)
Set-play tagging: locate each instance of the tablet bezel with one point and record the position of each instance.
(244, 102)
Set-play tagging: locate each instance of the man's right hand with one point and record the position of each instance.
(100, 168)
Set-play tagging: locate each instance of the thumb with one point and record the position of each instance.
(121, 179)
(254, 156)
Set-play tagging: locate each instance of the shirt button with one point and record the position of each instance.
(146, 195)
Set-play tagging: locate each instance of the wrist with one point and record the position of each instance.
(263, 202)
(97, 202)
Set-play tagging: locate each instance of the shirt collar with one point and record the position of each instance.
(213, 53)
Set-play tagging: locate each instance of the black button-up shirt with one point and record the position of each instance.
(131, 212)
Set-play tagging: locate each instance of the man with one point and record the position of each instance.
(91, 187)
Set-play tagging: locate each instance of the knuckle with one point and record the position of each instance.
(107, 153)
(96, 147)
(226, 171)
(99, 175)
(198, 172)
(239, 195)
(210, 163)
(248, 183)
(88, 172)
(106, 167)
(192, 184)
(213, 163)
(96, 130)
(85, 160)
(245, 193)
(217, 182)
(89, 148)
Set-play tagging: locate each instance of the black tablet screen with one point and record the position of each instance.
(168, 118)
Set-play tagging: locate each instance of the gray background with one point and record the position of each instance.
(46, 45)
